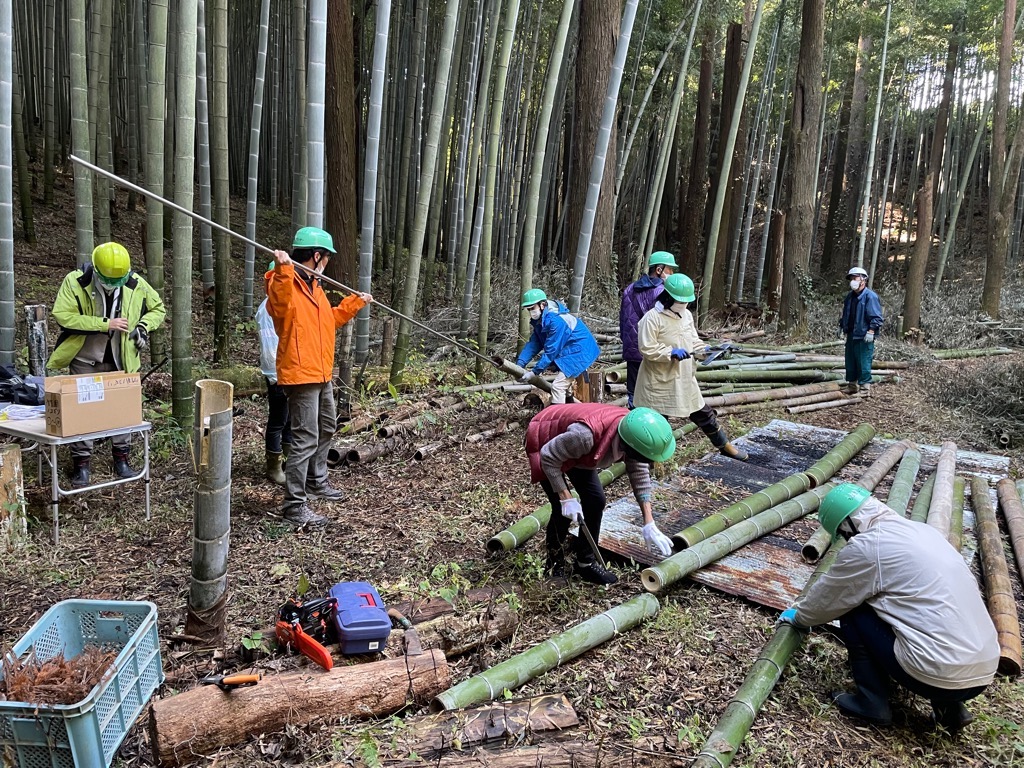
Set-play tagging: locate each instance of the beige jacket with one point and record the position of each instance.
(919, 585)
(664, 384)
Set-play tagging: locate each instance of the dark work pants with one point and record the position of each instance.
(859, 355)
(632, 370)
(592, 500)
(707, 421)
(869, 638)
(313, 423)
(279, 431)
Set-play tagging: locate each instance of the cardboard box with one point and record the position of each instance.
(78, 405)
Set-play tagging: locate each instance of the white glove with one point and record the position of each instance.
(869, 337)
(572, 510)
(526, 378)
(657, 542)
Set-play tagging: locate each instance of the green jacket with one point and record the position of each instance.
(74, 311)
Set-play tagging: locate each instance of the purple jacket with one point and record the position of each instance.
(637, 299)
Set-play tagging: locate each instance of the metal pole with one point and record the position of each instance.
(203, 220)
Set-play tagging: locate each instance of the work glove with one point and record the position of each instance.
(657, 542)
(140, 336)
(869, 337)
(526, 378)
(678, 353)
(788, 616)
(840, 332)
(572, 510)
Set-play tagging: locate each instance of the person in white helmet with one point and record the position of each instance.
(860, 323)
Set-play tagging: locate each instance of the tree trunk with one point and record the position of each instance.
(252, 184)
(856, 177)
(80, 135)
(831, 253)
(220, 178)
(204, 719)
(316, 93)
(13, 521)
(803, 145)
(697, 189)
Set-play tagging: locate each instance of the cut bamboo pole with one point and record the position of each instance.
(959, 354)
(733, 362)
(781, 393)
(821, 397)
(755, 503)
(838, 457)
(725, 410)
(682, 564)
(487, 434)
(523, 530)
(810, 347)
(880, 467)
(367, 452)
(413, 423)
(824, 406)
(919, 512)
(520, 669)
(1013, 511)
(728, 734)
(787, 376)
(1002, 606)
(941, 508)
(903, 484)
(815, 545)
(516, 372)
(956, 521)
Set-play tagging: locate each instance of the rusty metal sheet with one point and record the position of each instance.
(770, 570)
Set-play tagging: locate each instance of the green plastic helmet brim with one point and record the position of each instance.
(313, 237)
(533, 296)
(271, 265)
(680, 287)
(648, 433)
(662, 257)
(839, 503)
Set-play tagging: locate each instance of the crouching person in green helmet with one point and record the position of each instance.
(909, 610)
(577, 440)
(562, 340)
(106, 313)
(667, 381)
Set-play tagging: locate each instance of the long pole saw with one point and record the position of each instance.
(220, 228)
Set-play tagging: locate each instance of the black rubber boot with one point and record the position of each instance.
(80, 472)
(721, 441)
(121, 467)
(871, 701)
(591, 571)
(952, 716)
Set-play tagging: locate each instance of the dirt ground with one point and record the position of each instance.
(419, 528)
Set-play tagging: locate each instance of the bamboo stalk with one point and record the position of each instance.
(1013, 511)
(880, 467)
(809, 347)
(887, 364)
(682, 564)
(941, 508)
(903, 483)
(487, 434)
(522, 530)
(960, 354)
(516, 372)
(780, 393)
(413, 423)
(520, 669)
(998, 591)
(956, 521)
(363, 454)
(823, 406)
(816, 545)
(753, 504)
(742, 361)
(615, 374)
(821, 397)
(788, 376)
(919, 512)
(841, 455)
(721, 747)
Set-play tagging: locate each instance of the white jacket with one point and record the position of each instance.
(667, 385)
(919, 585)
(268, 343)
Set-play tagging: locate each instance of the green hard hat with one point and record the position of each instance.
(533, 296)
(680, 287)
(647, 433)
(841, 502)
(662, 257)
(313, 237)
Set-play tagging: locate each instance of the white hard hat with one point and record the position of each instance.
(856, 272)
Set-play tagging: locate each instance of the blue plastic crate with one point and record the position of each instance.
(86, 734)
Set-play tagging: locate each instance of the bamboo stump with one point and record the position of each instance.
(13, 523)
(38, 351)
(204, 719)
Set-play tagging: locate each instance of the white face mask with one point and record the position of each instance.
(534, 313)
(855, 284)
(679, 306)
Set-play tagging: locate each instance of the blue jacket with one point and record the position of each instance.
(861, 313)
(637, 300)
(562, 339)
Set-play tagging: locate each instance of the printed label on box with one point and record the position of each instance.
(373, 645)
(90, 389)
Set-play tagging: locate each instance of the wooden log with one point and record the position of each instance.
(204, 719)
(508, 721)
(1013, 511)
(548, 755)
(1002, 606)
(456, 634)
(13, 522)
(940, 510)
(38, 349)
(537, 401)
(596, 387)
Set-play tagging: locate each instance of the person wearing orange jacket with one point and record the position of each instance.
(305, 323)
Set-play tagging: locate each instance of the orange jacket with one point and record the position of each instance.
(305, 323)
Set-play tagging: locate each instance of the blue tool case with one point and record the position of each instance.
(362, 619)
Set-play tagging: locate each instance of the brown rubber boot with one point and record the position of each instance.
(721, 441)
(275, 468)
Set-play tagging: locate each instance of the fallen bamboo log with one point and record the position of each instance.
(1013, 511)
(204, 719)
(615, 374)
(522, 530)
(517, 373)
(368, 421)
(903, 484)
(941, 508)
(726, 410)
(425, 451)
(787, 376)
(742, 361)
(889, 364)
(810, 347)
(559, 754)
(682, 564)
(840, 456)
(780, 393)
(456, 634)
(823, 406)
(956, 520)
(367, 452)
(487, 434)
(919, 512)
(1002, 605)
(960, 354)
(514, 672)
(734, 724)
(817, 543)
(821, 397)
(487, 387)
(414, 423)
(509, 721)
(423, 609)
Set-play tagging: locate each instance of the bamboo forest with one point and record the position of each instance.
(512, 383)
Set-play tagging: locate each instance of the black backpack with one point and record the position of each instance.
(18, 390)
